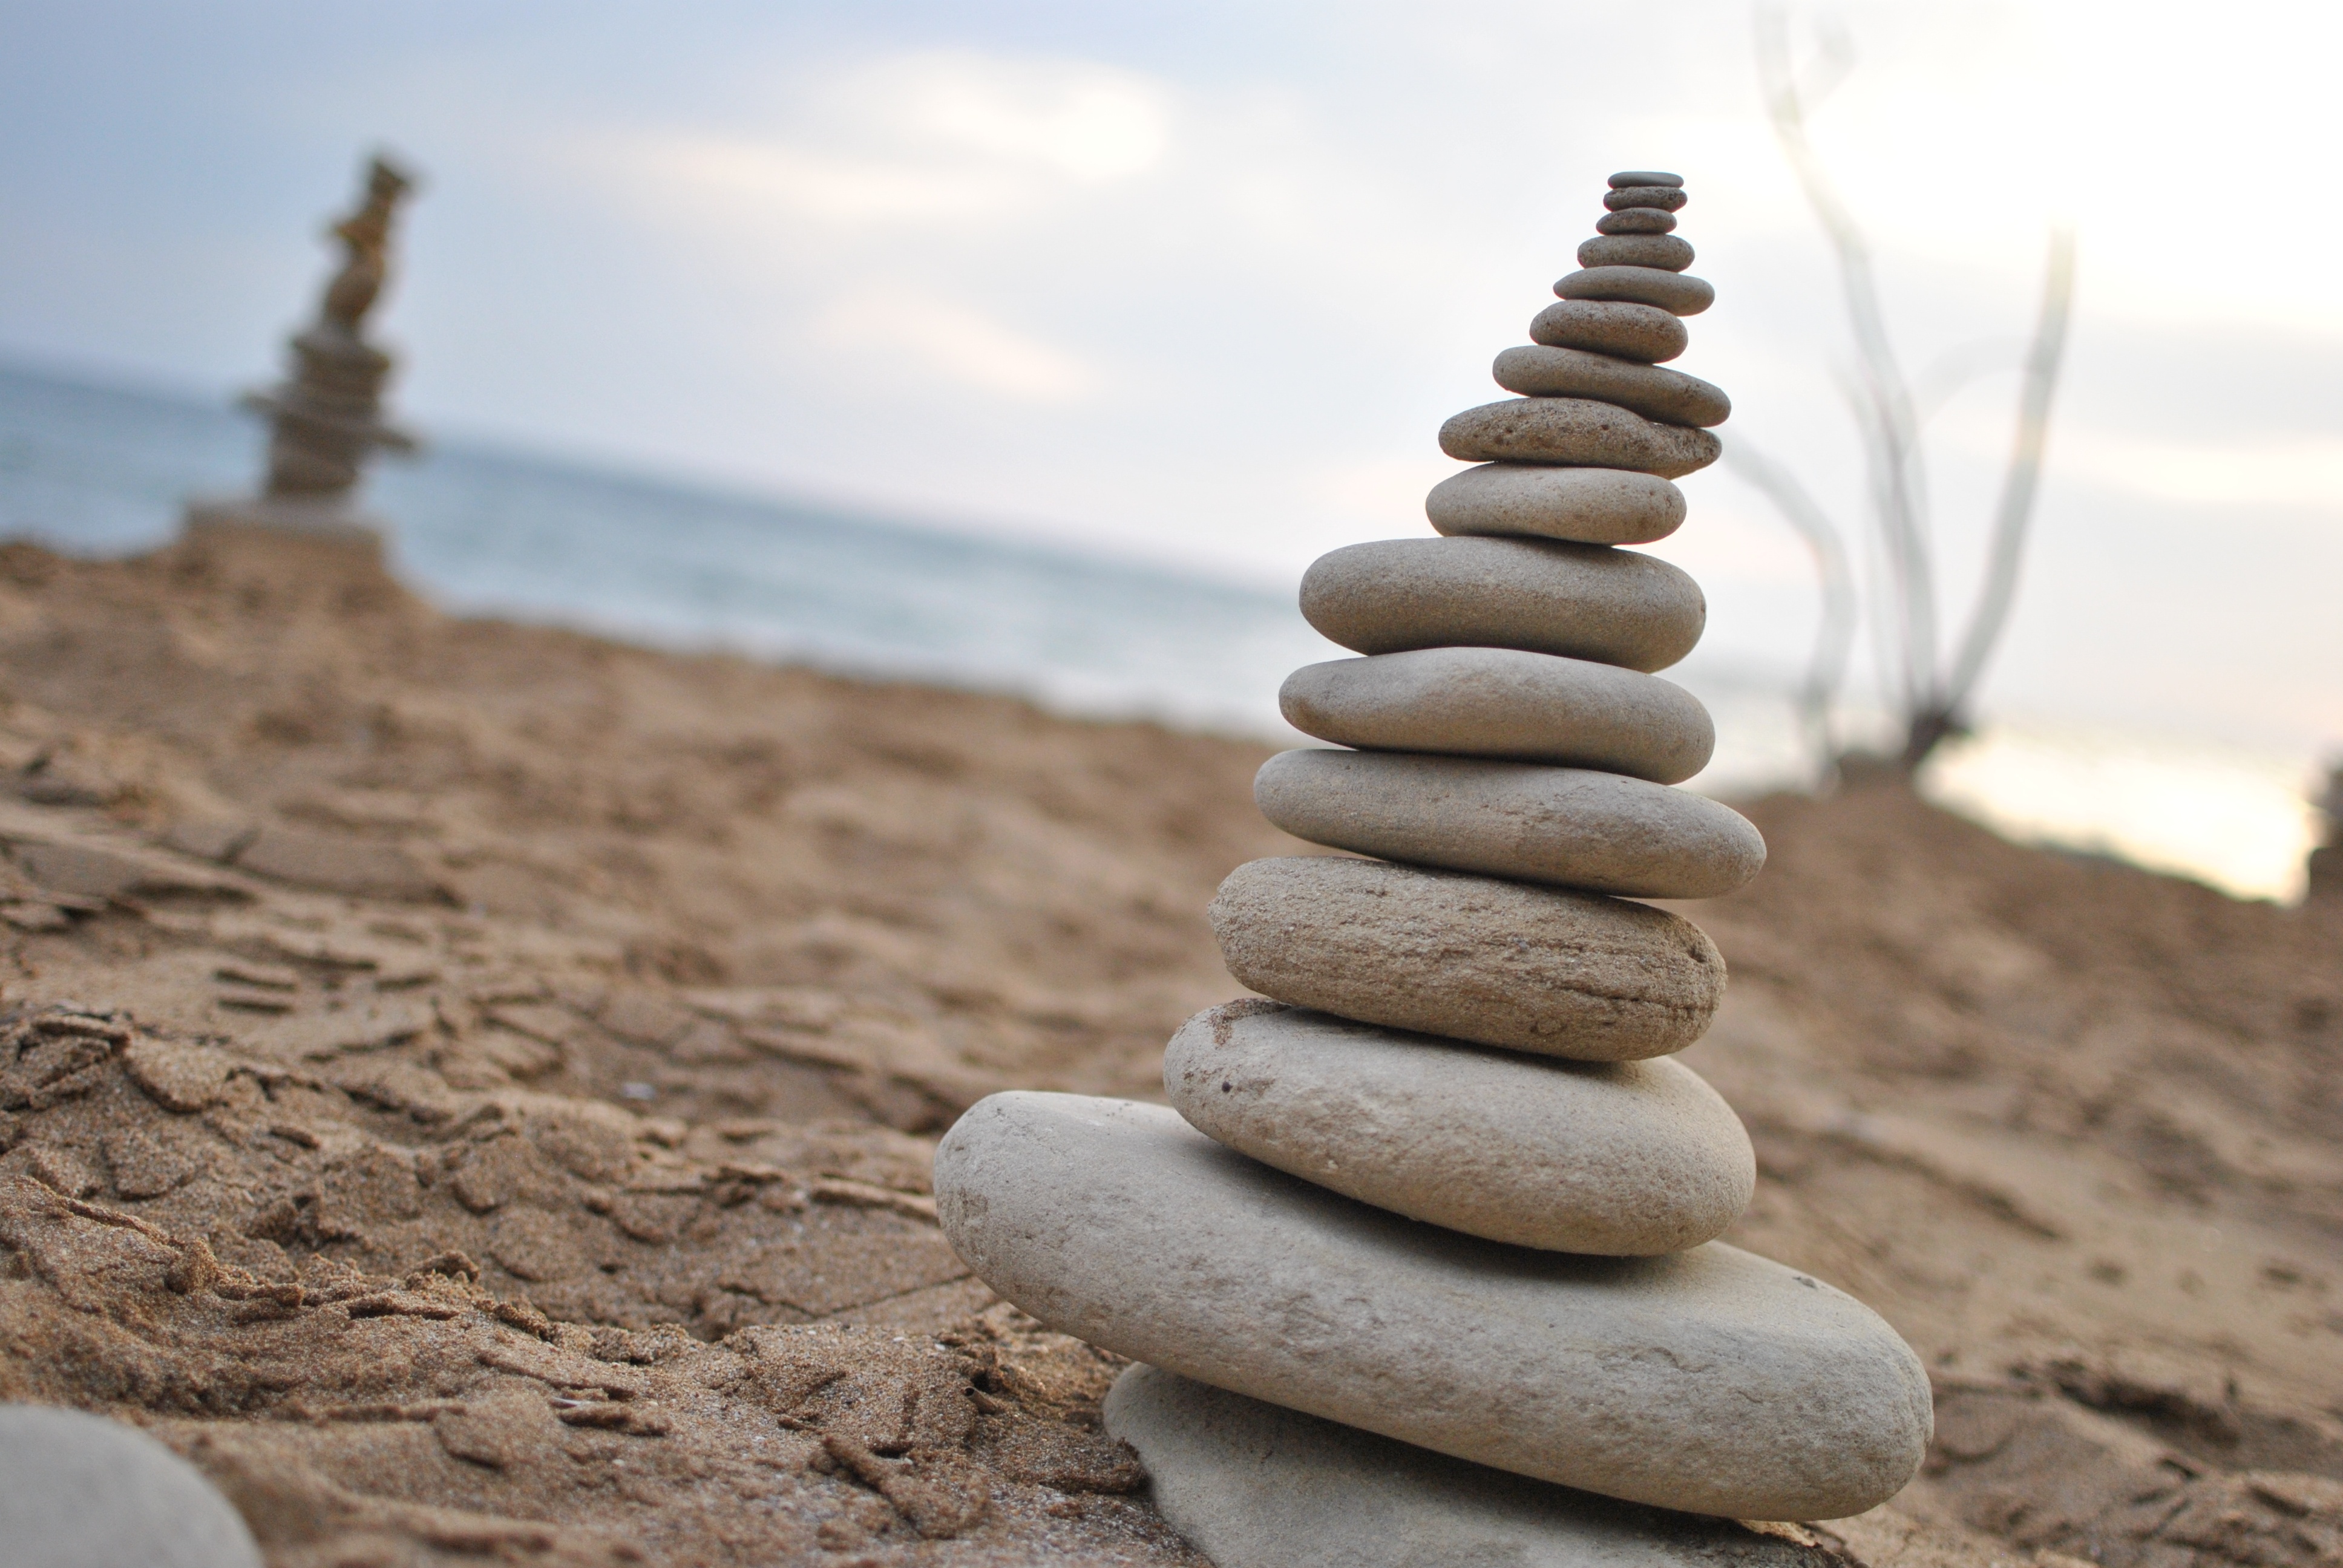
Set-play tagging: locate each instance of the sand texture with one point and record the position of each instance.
(471, 1089)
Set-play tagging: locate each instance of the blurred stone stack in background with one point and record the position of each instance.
(1441, 1182)
(2326, 868)
(326, 421)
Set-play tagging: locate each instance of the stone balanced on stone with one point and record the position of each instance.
(328, 420)
(1442, 1181)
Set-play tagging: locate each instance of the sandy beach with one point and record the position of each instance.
(470, 1088)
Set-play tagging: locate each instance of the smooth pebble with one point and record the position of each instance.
(1576, 505)
(1665, 251)
(1567, 827)
(1581, 601)
(1630, 179)
(1677, 293)
(1621, 328)
(1504, 702)
(78, 1491)
(1636, 220)
(1254, 1486)
(1709, 1381)
(1617, 1159)
(1577, 432)
(1667, 198)
(1558, 972)
(1671, 396)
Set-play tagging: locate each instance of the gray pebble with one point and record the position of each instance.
(1560, 973)
(1665, 251)
(1668, 395)
(1636, 220)
(1710, 1380)
(78, 1491)
(1253, 1485)
(1586, 506)
(1674, 292)
(1619, 328)
(1501, 702)
(1631, 179)
(1581, 601)
(1667, 198)
(1564, 826)
(1617, 1159)
(1578, 432)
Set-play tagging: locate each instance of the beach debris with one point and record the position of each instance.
(1441, 1182)
(326, 420)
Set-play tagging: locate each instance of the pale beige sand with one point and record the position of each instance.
(342, 940)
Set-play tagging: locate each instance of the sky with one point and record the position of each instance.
(1198, 284)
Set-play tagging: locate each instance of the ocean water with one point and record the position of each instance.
(97, 470)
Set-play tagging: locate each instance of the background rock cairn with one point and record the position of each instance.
(1448, 1185)
(326, 420)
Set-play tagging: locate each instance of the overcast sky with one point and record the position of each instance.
(1199, 283)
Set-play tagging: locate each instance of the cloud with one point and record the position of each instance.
(954, 342)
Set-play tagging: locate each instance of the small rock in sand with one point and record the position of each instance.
(1710, 1380)
(1576, 432)
(78, 1491)
(1581, 601)
(1567, 827)
(1560, 973)
(1500, 702)
(1254, 1486)
(1621, 1159)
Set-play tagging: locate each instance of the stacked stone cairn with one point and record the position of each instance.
(326, 421)
(1422, 1252)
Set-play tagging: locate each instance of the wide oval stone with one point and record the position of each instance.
(1577, 432)
(1667, 197)
(1668, 395)
(1581, 506)
(1581, 601)
(1622, 1159)
(78, 1491)
(1255, 1485)
(1665, 251)
(1567, 827)
(1501, 702)
(1636, 220)
(1621, 328)
(1630, 179)
(1557, 973)
(1678, 293)
(1710, 1380)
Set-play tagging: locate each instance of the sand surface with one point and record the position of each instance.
(470, 1088)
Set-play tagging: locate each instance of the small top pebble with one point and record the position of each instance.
(1627, 177)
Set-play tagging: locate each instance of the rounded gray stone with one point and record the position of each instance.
(78, 1491)
(1619, 1159)
(1677, 293)
(1636, 220)
(1665, 251)
(1709, 1381)
(1668, 198)
(1576, 505)
(1253, 1485)
(1668, 395)
(1544, 969)
(1619, 328)
(1581, 601)
(1501, 702)
(1630, 179)
(1566, 827)
(1577, 432)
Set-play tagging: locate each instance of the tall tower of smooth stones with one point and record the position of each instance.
(1444, 1181)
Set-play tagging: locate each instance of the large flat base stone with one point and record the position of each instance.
(1254, 1486)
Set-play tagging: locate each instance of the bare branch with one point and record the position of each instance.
(2023, 476)
(1834, 629)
